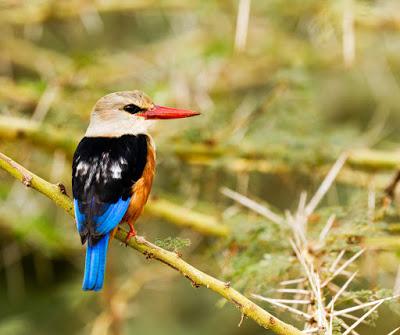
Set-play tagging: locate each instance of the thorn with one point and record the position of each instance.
(367, 304)
(241, 320)
(292, 290)
(192, 282)
(227, 284)
(345, 265)
(283, 306)
(394, 331)
(346, 326)
(342, 289)
(253, 205)
(62, 188)
(326, 184)
(355, 324)
(352, 317)
(292, 281)
(291, 301)
(27, 180)
(327, 228)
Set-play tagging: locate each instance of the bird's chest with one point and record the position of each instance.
(142, 187)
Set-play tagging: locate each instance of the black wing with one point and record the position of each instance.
(103, 173)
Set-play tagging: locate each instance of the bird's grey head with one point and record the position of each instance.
(120, 113)
(128, 112)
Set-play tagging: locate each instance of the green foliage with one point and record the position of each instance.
(175, 244)
(275, 116)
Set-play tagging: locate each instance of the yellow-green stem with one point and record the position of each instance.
(197, 277)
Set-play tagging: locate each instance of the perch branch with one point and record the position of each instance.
(151, 251)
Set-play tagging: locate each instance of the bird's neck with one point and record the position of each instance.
(116, 127)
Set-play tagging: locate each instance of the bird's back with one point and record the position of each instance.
(104, 172)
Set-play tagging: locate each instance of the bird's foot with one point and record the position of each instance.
(131, 233)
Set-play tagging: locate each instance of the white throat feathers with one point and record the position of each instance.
(115, 124)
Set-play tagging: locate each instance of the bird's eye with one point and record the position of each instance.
(132, 109)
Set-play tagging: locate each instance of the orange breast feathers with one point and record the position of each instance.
(141, 189)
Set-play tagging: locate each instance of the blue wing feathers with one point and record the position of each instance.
(79, 217)
(112, 216)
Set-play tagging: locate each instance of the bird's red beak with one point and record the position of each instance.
(161, 112)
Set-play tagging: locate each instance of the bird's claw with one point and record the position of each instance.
(131, 233)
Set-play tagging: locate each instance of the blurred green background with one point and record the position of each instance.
(283, 87)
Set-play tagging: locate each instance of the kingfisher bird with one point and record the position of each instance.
(112, 173)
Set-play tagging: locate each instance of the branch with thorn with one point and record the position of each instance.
(305, 297)
(151, 251)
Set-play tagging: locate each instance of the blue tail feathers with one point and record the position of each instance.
(95, 264)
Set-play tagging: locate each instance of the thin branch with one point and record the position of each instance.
(151, 251)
